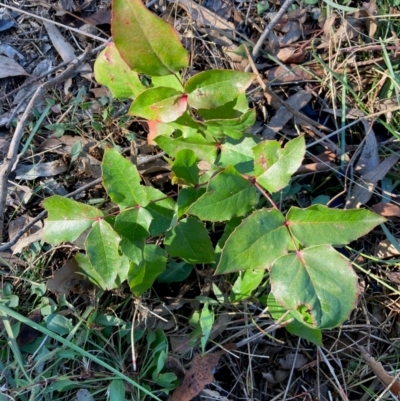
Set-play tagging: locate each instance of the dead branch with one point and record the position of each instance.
(11, 160)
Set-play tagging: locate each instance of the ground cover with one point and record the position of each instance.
(326, 71)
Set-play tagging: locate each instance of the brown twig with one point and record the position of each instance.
(11, 160)
(269, 28)
(276, 98)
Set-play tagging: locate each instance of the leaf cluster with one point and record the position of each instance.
(206, 118)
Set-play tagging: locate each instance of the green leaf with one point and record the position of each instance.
(112, 71)
(228, 195)
(245, 284)
(58, 324)
(186, 197)
(256, 243)
(161, 208)
(205, 149)
(239, 153)
(316, 284)
(230, 110)
(102, 252)
(319, 224)
(67, 219)
(133, 227)
(167, 81)
(141, 277)
(122, 181)
(159, 104)
(206, 324)
(213, 88)
(297, 328)
(175, 272)
(148, 44)
(185, 166)
(233, 127)
(189, 240)
(116, 390)
(275, 166)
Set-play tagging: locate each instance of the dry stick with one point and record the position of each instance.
(11, 160)
(269, 28)
(276, 98)
(89, 35)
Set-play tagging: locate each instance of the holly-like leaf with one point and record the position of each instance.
(204, 148)
(102, 254)
(122, 181)
(189, 241)
(256, 243)
(161, 208)
(185, 166)
(141, 277)
(228, 194)
(186, 197)
(67, 219)
(227, 111)
(295, 327)
(245, 284)
(159, 104)
(168, 81)
(233, 128)
(148, 44)
(112, 71)
(317, 284)
(274, 166)
(175, 272)
(133, 225)
(213, 88)
(319, 224)
(239, 153)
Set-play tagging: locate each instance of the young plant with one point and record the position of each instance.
(204, 118)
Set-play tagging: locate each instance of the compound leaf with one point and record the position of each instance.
(148, 44)
(67, 219)
(122, 181)
(319, 224)
(228, 194)
(256, 243)
(189, 240)
(213, 88)
(274, 166)
(112, 71)
(317, 285)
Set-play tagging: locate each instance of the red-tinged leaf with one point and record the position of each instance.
(159, 104)
(112, 71)
(148, 44)
(155, 129)
(214, 88)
